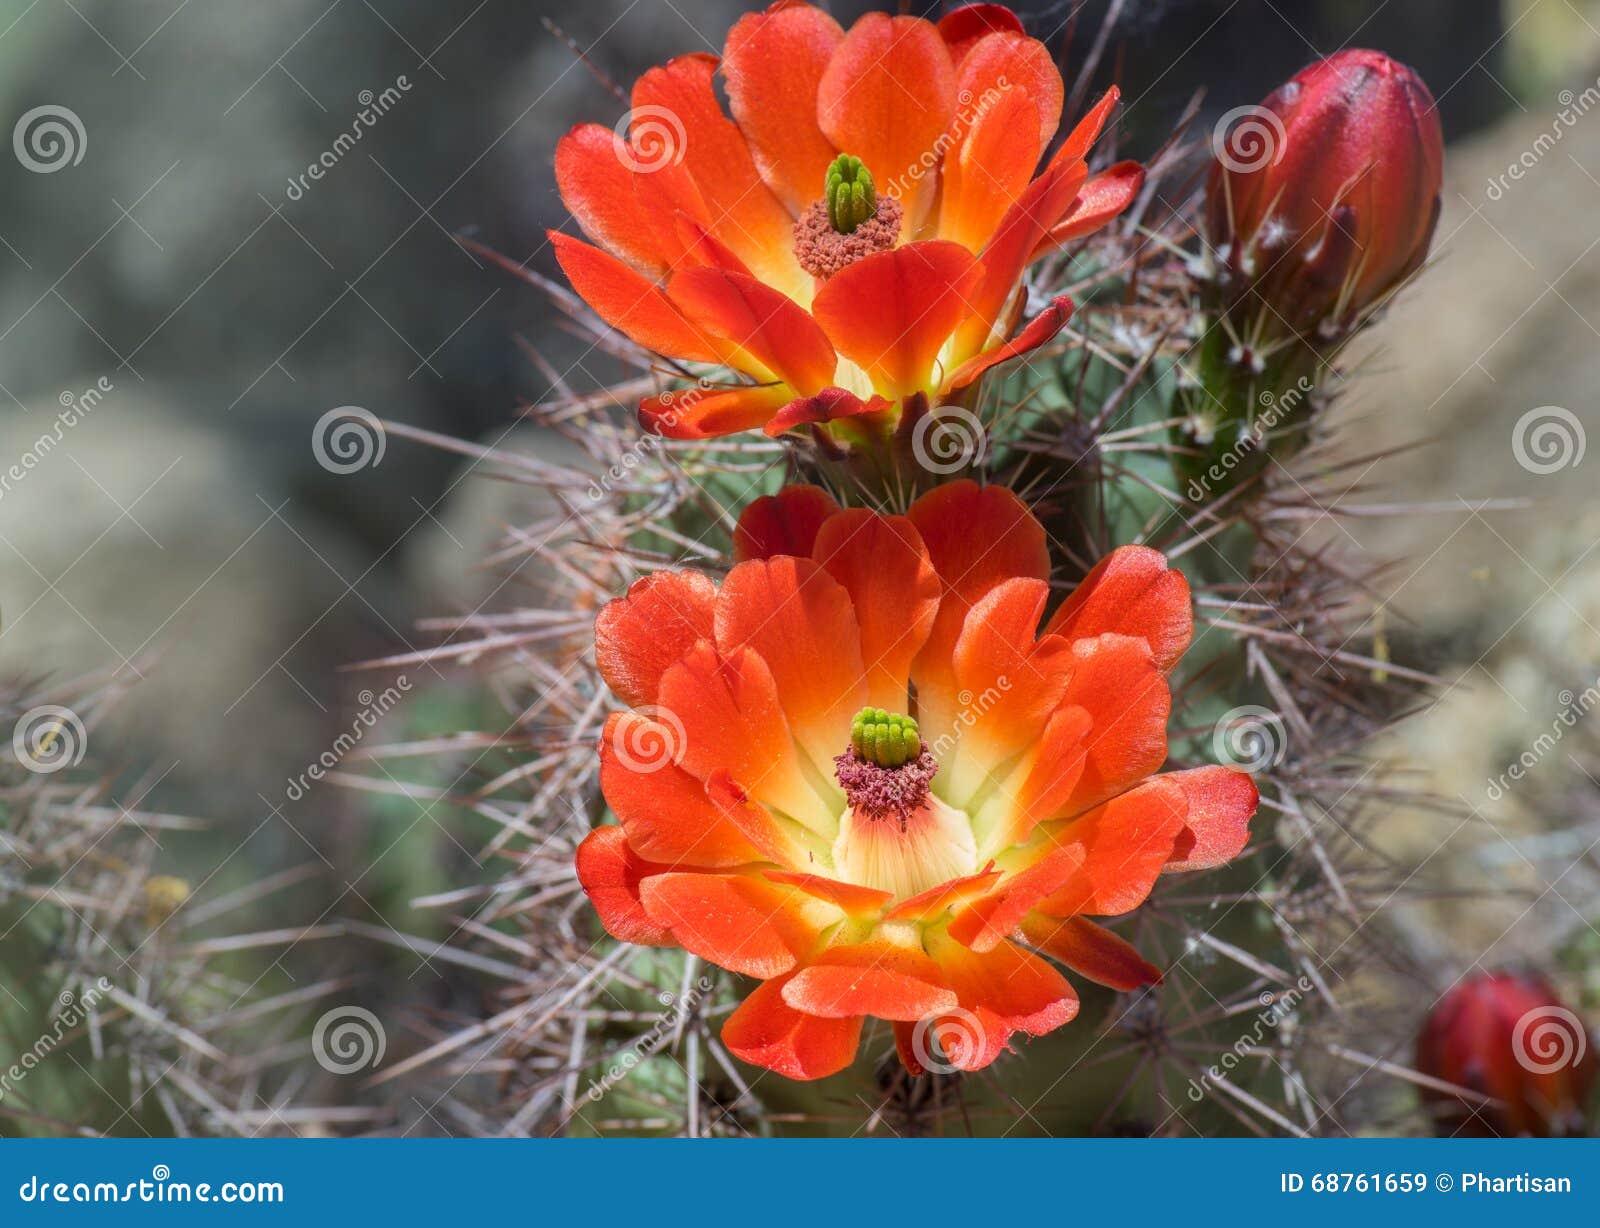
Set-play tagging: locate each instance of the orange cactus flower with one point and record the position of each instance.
(853, 240)
(860, 771)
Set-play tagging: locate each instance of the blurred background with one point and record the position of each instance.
(202, 298)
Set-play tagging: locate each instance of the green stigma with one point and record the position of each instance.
(885, 738)
(849, 194)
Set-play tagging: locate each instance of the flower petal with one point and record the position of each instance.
(977, 537)
(884, 979)
(1002, 992)
(1131, 591)
(1221, 801)
(857, 901)
(800, 620)
(678, 98)
(670, 816)
(1006, 62)
(891, 312)
(773, 63)
(784, 523)
(1127, 842)
(737, 921)
(962, 28)
(1035, 333)
(887, 96)
(989, 166)
(727, 706)
(1091, 950)
(1087, 131)
(610, 872)
(830, 405)
(630, 303)
(1117, 683)
(766, 1031)
(764, 324)
(1040, 787)
(596, 185)
(930, 904)
(1101, 200)
(637, 637)
(884, 566)
(986, 922)
(707, 413)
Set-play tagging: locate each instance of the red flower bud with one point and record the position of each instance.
(1510, 1038)
(1324, 198)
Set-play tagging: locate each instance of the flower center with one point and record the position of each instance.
(849, 222)
(885, 773)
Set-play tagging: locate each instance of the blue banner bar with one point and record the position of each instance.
(827, 1182)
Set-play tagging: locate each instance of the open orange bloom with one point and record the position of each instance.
(720, 245)
(859, 771)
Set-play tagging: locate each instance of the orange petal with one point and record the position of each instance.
(879, 978)
(830, 405)
(887, 96)
(1101, 200)
(610, 872)
(784, 523)
(773, 64)
(707, 413)
(764, 324)
(1005, 62)
(989, 168)
(1008, 683)
(596, 185)
(727, 706)
(766, 1031)
(678, 98)
(1026, 223)
(700, 246)
(884, 566)
(630, 304)
(665, 193)
(1079, 141)
(1221, 801)
(1127, 842)
(977, 537)
(962, 28)
(930, 904)
(1047, 780)
(1131, 591)
(668, 814)
(741, 923)
(1002, 992)
(1038, 330)
(987, 921)
(799, 619)
(856, 901)
(1091, 950)
(638, 636)
(891, 311)
(1117, 683)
